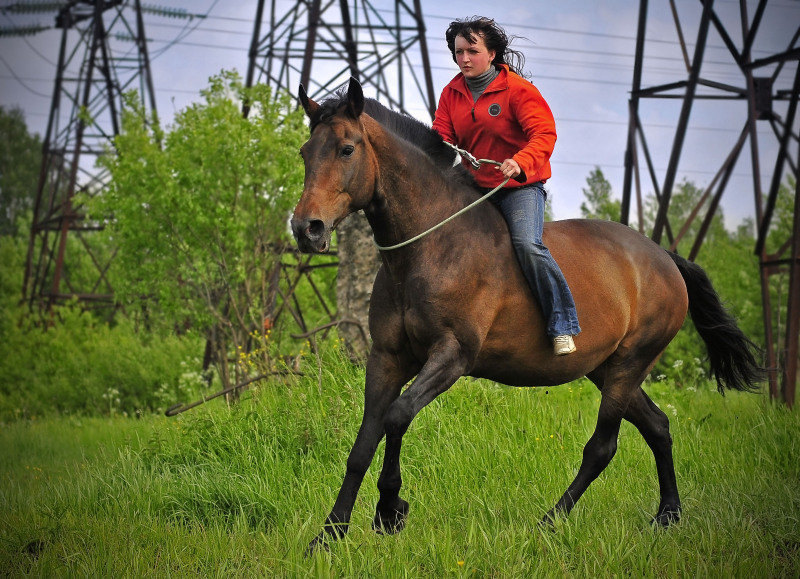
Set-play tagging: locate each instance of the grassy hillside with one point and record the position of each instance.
(243, 490)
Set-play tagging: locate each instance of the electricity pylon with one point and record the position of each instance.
(768, 87)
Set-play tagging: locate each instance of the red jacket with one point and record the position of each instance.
(509, 120)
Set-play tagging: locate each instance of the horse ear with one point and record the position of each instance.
(308, 105)
(355, 98)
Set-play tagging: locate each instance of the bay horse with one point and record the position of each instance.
(455, 302)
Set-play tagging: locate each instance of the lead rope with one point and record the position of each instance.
(476, 164)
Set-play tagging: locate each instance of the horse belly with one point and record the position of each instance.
(518, 352)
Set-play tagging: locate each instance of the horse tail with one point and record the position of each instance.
(732, 354)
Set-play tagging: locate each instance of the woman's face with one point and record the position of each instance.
(473, 59)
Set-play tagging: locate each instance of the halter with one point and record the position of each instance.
(476, 164)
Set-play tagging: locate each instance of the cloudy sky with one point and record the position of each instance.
(579, 54)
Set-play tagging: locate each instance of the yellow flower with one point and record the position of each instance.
(461, 563)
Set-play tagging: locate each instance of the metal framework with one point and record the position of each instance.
(337, 40)
(103, 54)
(769, 87)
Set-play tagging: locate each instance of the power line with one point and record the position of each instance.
(21, 82)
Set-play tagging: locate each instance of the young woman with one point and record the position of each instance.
(492, 112)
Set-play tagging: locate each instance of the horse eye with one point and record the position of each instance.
(347, 150)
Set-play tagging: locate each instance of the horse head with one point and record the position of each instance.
(340, 168)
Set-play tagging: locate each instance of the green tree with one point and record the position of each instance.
(20, 163)
(778, 246)
(685, 198)
(730, 263)
(198, 211)
(600, 203)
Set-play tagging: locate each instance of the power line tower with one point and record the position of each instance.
(766, 93)
(385, 50)
(103, 54)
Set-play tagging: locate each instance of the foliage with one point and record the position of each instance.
(241, 490)
(727, 258)
(81, 364)
(20, 160)
(599, 202)
(199, 211)
(778, 247)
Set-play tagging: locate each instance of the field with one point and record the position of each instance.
(242, 490)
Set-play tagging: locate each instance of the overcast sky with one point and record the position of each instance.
(579, 54)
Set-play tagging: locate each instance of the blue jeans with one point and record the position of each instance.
(523, 210)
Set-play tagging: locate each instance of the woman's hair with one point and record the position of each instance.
(493, 36)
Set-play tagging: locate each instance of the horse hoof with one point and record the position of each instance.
(391, 521)
(320, 543)
(667, 516)
(548, 521)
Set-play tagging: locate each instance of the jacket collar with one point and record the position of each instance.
(459, 83)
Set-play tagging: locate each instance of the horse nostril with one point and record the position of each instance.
(315, 229)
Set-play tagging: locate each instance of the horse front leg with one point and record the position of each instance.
(446, 363)
(385, 377)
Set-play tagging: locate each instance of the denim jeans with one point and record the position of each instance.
(523, 210)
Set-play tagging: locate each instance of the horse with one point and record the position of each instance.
(455, 303)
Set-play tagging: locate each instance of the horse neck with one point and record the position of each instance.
(411, 193)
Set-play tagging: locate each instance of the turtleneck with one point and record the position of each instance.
(478, 84)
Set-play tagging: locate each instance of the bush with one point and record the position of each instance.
(81, 365)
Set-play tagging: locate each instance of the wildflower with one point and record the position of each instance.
(460, 563)
(677, 364)
(672, 409)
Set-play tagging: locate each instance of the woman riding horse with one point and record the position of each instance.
(455, 302)
(489, 110)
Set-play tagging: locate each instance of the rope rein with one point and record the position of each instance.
(476, 164)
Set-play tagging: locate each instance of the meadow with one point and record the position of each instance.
(242, 489)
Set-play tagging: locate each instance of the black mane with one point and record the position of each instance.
(404, 126)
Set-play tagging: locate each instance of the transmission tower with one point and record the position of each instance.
(320, 44)
(102, 55)
(766, 93)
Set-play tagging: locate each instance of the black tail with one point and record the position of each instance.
(731, 353)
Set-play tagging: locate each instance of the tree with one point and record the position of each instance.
(728, 260)
(200, 212)
(20, 163)
(599, 203)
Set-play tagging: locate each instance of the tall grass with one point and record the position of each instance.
(243, 490)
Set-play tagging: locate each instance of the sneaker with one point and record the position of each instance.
(563, 345)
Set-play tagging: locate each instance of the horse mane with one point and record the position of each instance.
(414, 132)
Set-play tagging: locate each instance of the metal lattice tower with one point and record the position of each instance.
(103, 54)
(766, 93)
(320, 44)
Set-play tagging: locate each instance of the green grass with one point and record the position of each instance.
(242, 491)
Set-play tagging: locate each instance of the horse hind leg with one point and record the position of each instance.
(653, 425)
(597, 453)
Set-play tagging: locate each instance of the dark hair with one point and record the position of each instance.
(493, 36)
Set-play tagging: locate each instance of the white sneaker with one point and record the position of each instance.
(563, 345)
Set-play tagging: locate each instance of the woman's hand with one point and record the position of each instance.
(509, 168)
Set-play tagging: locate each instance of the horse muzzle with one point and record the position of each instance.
(312, 235)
